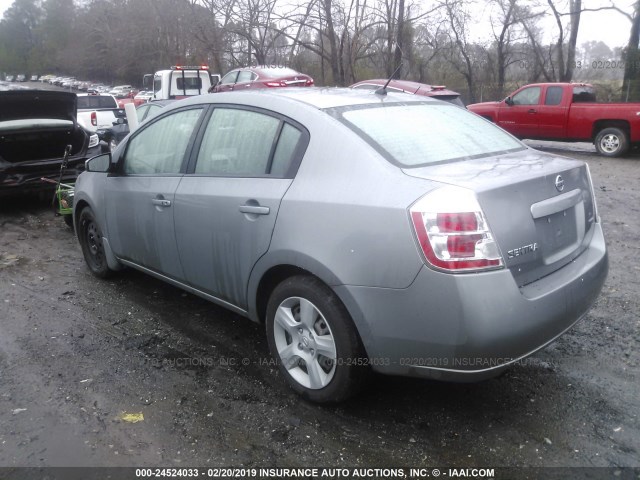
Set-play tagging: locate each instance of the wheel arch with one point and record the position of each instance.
(600, 125)
(78, 206)
(266, 276)
(276, 267)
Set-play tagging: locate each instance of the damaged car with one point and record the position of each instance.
(365, 230)
(35, 129)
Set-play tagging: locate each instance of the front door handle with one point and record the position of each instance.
(161, 202)
(254, 209)
(533, 110)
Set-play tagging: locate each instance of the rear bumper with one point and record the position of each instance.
(470, 327)
(18, 179)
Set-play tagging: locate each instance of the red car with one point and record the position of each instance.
(438, 91)
(261, 77)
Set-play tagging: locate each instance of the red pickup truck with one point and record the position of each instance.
(566, 112)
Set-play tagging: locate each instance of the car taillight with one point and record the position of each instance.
(452, 231)
(309, 83)
(94, 119)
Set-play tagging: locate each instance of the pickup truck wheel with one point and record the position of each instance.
(612, 142)
(314, 342)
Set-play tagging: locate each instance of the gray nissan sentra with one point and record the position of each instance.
(368, 232)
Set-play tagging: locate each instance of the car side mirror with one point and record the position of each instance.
(508, 101)
(99, 163)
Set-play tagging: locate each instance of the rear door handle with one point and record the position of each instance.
(161, 202)
(255, 209)
(533, 110)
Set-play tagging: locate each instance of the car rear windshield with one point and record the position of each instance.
(95, 101)
(418, 134)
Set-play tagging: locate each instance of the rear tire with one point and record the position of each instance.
(612, 142)
(312, 338)
(90, 238)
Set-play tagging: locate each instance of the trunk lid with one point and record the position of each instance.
(538, 206)
(31, 104)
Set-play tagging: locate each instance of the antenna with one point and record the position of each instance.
(383, 90)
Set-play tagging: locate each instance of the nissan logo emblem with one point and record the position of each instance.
(559, 183)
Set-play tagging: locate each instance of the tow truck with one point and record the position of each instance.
(180, 82)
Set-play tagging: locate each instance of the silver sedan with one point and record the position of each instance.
(367, 231)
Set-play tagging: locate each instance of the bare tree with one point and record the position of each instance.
(632, 55)
(462, 52)
(508, 37)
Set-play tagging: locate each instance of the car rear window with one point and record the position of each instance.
(95, 101)
(418, 134)
(189, 83)
(454, 99)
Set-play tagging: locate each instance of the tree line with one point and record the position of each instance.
(337, 42)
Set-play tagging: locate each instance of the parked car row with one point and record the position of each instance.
(86, 86)
(21, 78)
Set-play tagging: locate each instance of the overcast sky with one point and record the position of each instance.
(609, 26)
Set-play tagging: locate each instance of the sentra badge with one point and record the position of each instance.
(518, 252)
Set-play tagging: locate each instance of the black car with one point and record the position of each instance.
(35, 128)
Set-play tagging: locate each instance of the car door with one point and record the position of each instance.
(246, 80)
(520, 118)
(552, 113)
(226, 208)
(139, 200)
(228, 82)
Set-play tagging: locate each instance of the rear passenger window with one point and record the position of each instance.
(245, 76)
(287, 143)
(554, 96)
(243, 143)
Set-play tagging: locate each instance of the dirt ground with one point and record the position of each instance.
(78, 354)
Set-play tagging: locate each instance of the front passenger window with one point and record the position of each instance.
(528, 96)
(160, 148)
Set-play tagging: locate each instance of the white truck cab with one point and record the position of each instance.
(180, 82)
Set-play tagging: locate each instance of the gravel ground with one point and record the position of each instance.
(77, 355)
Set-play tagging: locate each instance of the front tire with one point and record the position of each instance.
(312, 338)
(612, 142)
(90, 238)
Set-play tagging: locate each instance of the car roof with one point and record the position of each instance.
(410, 86)
(317, 97)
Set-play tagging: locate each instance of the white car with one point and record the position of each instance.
(121, 91)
